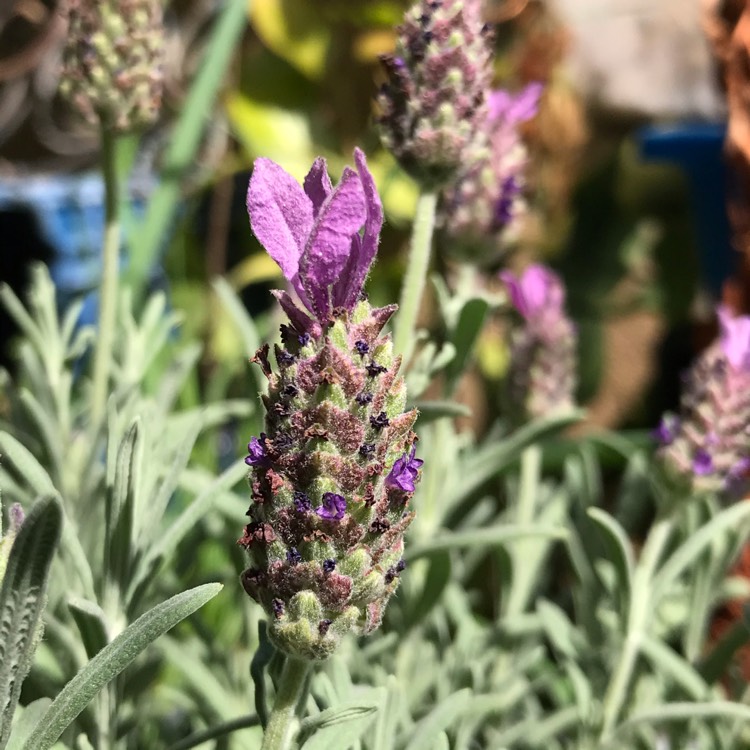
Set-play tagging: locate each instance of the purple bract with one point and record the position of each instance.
(323, 238)
(535, 292)
(514, 109)
(735, 338)
(405, 471)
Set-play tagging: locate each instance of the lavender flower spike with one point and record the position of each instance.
(323, 238)
(709, 448)
(405, 471)
(326, 522)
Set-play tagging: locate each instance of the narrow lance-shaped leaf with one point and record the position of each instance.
(22, 598)
(112, 660)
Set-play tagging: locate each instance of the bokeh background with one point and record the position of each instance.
(629, 186)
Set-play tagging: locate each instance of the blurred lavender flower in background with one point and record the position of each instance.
(542, 372)
(707, 448)
(113, 62)
(481, 207)
(438, 79)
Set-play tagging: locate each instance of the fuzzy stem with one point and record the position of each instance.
(283, 724)
(416, 274)
(108, 286)
(641, 606)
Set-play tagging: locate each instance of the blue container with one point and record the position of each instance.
(69, 211)
(698, 150)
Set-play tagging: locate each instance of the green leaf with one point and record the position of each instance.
(668, 662)
(121, 506)
(693, 547)
(238, 313)
(112, 660)
(618, 548)
(426, 732)
(558, 628)
(340, 726)
(261, 659)
(687, 711)
(22, 598)
(464, 337)
(92, 625)
(179, 528)
(26, 719)
(492, 458)
(26, 465)
(437, 578)
(488, 537)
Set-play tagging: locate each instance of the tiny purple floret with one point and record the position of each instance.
(302, 502)
(257, 450)
(405, 471)
(332, 508)
(666, 432)
(735, 338)
(702, 463)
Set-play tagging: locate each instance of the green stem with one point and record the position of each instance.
(196, 114)
(283, 724)
(416, 274)
(108, 287)
(641, 605)
(213, 733)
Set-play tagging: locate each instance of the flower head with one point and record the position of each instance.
(112, 62)
(434, 101)
(735, 338)
(405, 471)
(326, 530)
(323, 238)
(542, 375)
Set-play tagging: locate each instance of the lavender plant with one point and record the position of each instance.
(333, 473)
